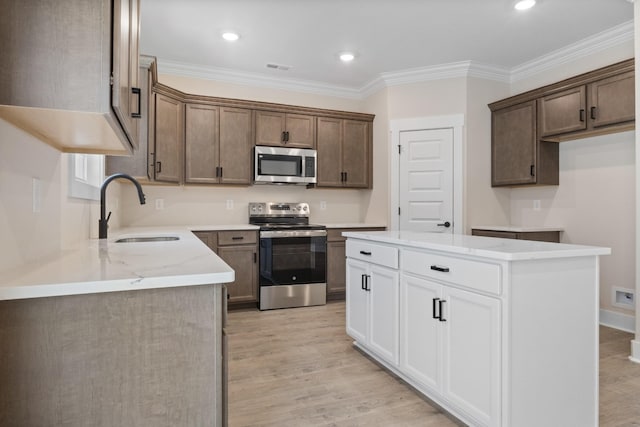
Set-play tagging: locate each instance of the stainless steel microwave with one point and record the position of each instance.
(281, 165)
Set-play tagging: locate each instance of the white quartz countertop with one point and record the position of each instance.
(516, 228)
(487, 247)
(97, 266)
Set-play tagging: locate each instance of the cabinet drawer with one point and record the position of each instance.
(240, 237)
(370, 252)
(476, 275)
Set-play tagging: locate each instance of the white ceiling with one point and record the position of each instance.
(388, 36)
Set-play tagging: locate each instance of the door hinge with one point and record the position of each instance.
(398, 210)
(399, 149)
(111, 79)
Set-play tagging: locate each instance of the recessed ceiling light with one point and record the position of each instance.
(230, 37)
(525, 4)
(347, 56)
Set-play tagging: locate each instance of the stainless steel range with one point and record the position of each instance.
(293, 255)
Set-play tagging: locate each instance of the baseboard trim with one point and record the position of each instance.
(620, 321)
(635, 351)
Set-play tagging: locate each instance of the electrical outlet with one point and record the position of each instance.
(229, 204)
(536, 205)
(623, 298)
(323, 205)
(159, 204)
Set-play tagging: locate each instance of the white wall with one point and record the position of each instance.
(469, 97)
(578, 66)
(26, 236)
(484, 205)
(207, 205)
(377, 201)
(594, 203)
(254, 93)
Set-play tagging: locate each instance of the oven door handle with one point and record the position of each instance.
(292, 233)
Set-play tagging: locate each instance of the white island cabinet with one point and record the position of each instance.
(498, 332)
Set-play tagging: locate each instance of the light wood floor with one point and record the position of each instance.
(297, 367)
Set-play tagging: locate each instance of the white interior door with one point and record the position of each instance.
(426, 180)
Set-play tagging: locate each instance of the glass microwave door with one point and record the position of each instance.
(279, 165)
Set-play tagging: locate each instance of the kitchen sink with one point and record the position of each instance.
(147, 239)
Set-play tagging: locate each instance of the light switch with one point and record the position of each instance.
(229, 204)
(159, 204)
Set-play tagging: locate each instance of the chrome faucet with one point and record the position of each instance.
(103, 223)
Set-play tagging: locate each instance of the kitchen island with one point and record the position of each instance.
(499, 332)
(110, 333)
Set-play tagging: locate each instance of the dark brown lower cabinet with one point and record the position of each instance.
(336, 261)
(542, 236)
(239, 249)
(336, 270)
(149, 357)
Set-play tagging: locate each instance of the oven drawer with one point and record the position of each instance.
(373, 253)
(475, 275)
(239, 237)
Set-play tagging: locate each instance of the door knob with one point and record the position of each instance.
(445, 224)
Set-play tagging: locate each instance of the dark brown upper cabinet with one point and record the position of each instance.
(218, 145)
(168, 147)
(285, 129)
(518, 157)
(195, 139)
(527, 127)
(75, 64)
(606, 102)
(563, 112)
(344, 153)
(612, 100)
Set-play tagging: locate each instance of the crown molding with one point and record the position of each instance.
(604, 40)
(437, 72)
(597, 43)
(255, 79)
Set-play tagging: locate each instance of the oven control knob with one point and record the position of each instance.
(304, 208)
(294, 278)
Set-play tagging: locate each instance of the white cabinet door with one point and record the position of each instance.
(472, 354)
(420, 333)
(357, 301)
(383, 292)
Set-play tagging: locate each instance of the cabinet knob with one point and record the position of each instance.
(593, 113)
